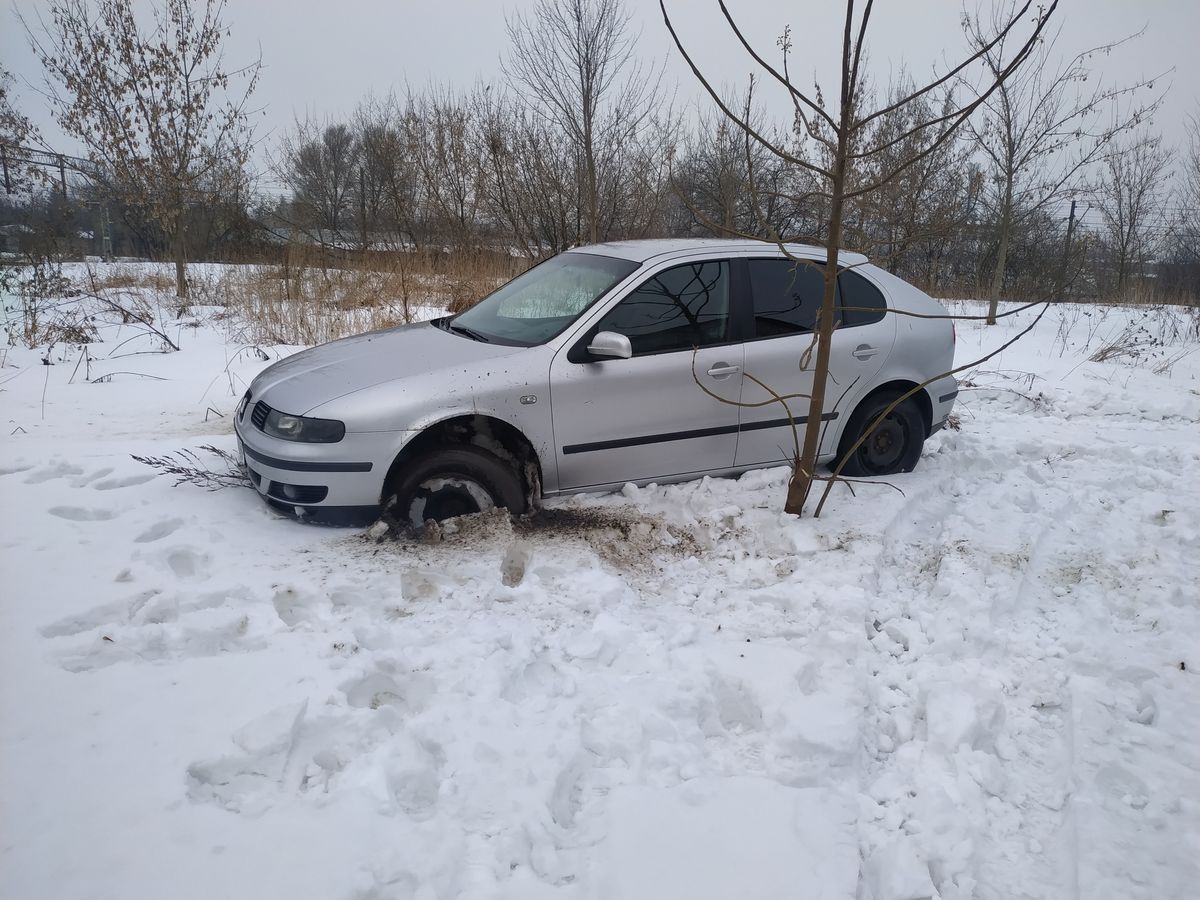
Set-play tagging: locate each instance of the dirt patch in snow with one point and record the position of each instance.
(627, 539)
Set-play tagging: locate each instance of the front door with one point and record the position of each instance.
(661, 413)
(786, 299)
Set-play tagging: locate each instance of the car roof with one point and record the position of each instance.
(645, 250)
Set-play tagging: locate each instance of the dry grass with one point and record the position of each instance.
(1130, 344)
(126, 279)
(313, 297)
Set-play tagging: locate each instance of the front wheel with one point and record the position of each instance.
(893, 446)
(453, 481)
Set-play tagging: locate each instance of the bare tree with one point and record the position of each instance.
(320, 165)
(154, 106)
(1188, 231)
(382, 163)
(15, 131)
(1131, 195)
(389, 194)
(530, 186)
(842, 170)
(905, 224)
(712, 178)
(1042, 129)
(447, 154)
(576, 61)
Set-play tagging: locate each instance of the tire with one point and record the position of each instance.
(450, 481)
(894, 447)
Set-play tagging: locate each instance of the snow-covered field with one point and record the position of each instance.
(985, 687)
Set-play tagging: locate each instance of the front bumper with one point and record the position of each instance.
(350, 473)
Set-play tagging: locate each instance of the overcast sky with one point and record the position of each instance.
(320, 58)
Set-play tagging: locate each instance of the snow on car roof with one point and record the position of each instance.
(644, 250)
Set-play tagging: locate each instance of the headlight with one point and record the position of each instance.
(300, 428)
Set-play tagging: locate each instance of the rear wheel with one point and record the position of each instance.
(894, 445)
(453, 481)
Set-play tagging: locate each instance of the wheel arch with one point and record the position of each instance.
(897, 387)
(481, 430)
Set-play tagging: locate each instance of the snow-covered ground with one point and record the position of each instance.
(985, 687)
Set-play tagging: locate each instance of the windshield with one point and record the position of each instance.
(536, 306)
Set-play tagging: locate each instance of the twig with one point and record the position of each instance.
(129, 313)
(109, 377)
(188, 468)
(74, 371)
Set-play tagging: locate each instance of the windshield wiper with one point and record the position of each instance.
(469, 332)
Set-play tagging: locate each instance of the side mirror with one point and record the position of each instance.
(610, 344)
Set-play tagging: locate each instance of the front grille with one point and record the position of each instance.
(259, 415)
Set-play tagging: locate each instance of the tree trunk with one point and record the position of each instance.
(593, 203)
(1001, 255)
(800, 484)
(179, 250)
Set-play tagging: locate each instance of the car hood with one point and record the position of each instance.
(320, 374)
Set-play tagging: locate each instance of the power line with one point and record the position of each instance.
(16, 155)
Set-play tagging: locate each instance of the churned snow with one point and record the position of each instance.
(983, 687)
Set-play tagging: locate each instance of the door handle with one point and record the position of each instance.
(864, 351)
(719, 370)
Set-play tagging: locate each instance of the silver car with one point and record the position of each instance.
(634, 361)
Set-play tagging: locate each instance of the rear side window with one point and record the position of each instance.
(677, 309)
(861, 301)
(788, 295)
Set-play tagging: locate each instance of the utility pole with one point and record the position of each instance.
(106, 250)
(1067, 246)
(4, 162)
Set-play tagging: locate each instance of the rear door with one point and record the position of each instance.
(648, 417)
(786, 297)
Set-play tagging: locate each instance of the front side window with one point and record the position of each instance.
(536, 306)
(677, 309)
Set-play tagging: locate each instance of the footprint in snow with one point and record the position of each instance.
(155, 624)
(14, 469)
(112, 484)
(85, 480)
(292, 606)
(158, 531)
(82, 514)
(1120, 783)
(214, 634)
(735, 705)
(55, 470)
(187, 563)
(90, 619)
(413, 771)
(148, 607)
(243, 782)
(290, 750)
(389, 685)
